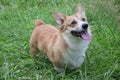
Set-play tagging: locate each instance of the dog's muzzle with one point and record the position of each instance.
(82, 34)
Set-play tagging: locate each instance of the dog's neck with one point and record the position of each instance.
(75, 52)
(60, 42)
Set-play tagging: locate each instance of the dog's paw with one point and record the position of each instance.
(59, 70)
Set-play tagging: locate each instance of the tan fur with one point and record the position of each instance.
(44, 38)
(48, 39)
(38, 22)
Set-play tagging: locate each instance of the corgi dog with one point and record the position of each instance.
(66, 45)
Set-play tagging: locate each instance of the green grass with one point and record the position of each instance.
(17, 22)
(117, 4)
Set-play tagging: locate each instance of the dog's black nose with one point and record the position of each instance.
(84, 26)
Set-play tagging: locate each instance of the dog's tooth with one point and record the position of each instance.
(75, 33)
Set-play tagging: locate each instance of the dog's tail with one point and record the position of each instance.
(38, 23)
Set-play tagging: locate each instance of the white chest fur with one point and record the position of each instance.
(76, 52)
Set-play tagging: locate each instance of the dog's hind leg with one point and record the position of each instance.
(33, 50)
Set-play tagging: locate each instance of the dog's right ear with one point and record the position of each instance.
(59, 18)
(80, 10)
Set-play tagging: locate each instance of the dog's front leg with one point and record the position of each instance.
(58, 67)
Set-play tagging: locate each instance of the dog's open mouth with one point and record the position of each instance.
(82, 34)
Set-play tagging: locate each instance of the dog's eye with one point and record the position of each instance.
(73, 22)
(83, 19)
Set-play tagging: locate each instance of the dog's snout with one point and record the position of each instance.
(84, 26)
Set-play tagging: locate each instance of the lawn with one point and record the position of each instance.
(17, 22)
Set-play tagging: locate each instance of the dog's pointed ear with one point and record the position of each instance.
(80, 10)
(59, 18)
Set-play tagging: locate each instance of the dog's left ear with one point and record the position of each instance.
(80, 10)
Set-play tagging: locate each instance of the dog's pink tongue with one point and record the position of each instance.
(86, 36)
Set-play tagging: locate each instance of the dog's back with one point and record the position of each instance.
(44, 33)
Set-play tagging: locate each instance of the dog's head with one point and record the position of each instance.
(75, 25)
